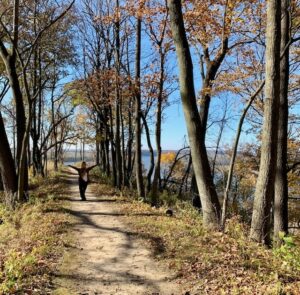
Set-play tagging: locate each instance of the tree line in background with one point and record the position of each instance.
(104, 73)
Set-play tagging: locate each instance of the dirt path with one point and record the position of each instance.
(107, 258)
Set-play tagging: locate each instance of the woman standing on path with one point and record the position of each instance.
(83, 179)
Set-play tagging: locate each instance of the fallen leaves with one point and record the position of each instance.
(211, 263)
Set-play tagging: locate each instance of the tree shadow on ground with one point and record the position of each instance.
(120, 276)
(84, 219)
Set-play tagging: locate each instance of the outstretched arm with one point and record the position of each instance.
(92, 167)
(75, 168)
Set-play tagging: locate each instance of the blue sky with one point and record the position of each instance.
(173, 128)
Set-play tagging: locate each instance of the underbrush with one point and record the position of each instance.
(100, 176)
(215, 262)
(31, 239)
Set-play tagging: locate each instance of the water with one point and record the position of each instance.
(90, 158)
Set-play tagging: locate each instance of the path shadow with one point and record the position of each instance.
(83, 217)
(86, 218)
(123, 277)
(71, 199)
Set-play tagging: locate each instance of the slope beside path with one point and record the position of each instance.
(107, 257)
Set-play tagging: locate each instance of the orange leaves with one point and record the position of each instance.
(209, 21)
(204, 20)
(81, 119)
(168, 158)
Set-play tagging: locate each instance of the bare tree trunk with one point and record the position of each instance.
(37, 117)
(185, 176)
(1, 183)
(7, 166)
(234, 153)
(124, 170)
(281, 181)
(138, 131)
(129, 142)
(151, 168)
(208, 195)
(107, 150)
(117, 107)
(99, 150)
(22, 168)
(260, 225)
(156, 180)
(222, 126)
(112, 150)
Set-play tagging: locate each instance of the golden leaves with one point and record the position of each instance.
(168, 158)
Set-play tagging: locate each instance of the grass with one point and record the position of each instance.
(34, 235)
(32, 238)
(215, 263)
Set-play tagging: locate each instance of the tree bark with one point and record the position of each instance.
(151, 152)
(156, 179)
(234, 153)
(260, 225)
(138, 129)
(208, 195)
(7, 165)
(117, 107)
(281, 181)
(129, 141)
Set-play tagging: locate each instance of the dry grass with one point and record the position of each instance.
(215, 263)
(31, 239)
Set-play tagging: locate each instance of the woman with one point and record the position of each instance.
(83, 179)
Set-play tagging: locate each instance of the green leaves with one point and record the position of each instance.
(288, 252)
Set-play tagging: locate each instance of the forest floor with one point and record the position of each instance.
(123, 246)
(115, 244)
(107, 257)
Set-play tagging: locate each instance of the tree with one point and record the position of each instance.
(9, 57)
(281, 180)
(16, 49)
(260, 225)
(208, 195)
(7, 165)
(138, 131)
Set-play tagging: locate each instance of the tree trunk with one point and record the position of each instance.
(208, 195)
(1, 183)
(22, 168)
(151, 152)
(124, 170)
(156, 180)
(234, 153)
(185, 177)
(7, 166)
(117, 107)
(112, 149)
(281, 182)
(20, 111)
(99, 152)
(138, 131)
(107, 158)
(260, 225)
(98, 142)
(129, 142)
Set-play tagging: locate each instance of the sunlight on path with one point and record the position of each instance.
(107, 259)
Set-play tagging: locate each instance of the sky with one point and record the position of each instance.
(173, 128)
(174, 133)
